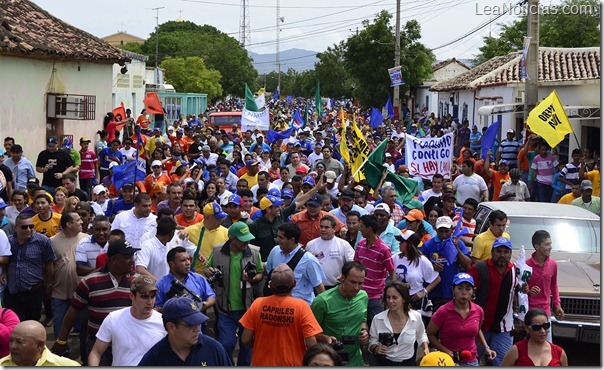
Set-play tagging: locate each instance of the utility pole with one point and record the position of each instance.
(397, 59)
(531, 91)
(157, 43)
(277, 54)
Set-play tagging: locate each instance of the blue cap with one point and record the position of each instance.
(274, 192)
(287, 192)
(308, 180)
(3, 204)
(236, 199)
(502, 242)
(215, 210)
(67, 143)
(463, 277)
(315, 200)
(251, 163)
(183, 308)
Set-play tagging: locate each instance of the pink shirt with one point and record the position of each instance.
(455, 332)
(546, 278)
(87, 167)
(377, 259)
(546, 168)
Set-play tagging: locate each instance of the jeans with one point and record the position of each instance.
(59, 309)
(471, 363)
(27, 305)
(374, 307)
(228, 330)
(500, 343)
(86, 186)
(545, 192)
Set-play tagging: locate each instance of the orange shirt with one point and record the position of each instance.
(311, 228)
(498, 180)
(280, 324)
(114, 193)
(523, 163)
(180, 219)
(184, 145)
(151, 180)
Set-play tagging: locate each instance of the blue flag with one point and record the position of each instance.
(298, 120)
(458, 230)
(489, 137)
(129, 172)
(390, 108)
(273, 136)
(376, 118)
(276, 94)
(290, 99)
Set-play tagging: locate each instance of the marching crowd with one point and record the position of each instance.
(299, 261)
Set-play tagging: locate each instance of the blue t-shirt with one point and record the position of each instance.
(115, 207)
(197, 283)
(207, 352)
(445, 253)
(105, 154)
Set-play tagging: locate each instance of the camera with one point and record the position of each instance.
(339, 348)
(178, 289)
(250, 269)
(349, 339)
(216, 277)
(387, 339)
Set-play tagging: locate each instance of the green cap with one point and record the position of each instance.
(415, 204)
(240, 231)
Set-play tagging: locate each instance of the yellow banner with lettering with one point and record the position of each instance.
(360, 151)
(548, 120)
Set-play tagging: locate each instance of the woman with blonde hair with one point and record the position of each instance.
(59, 199)
(70, 203)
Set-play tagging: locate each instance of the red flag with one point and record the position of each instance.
(153, 104)
(120, 115)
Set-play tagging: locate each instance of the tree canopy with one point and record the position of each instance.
(190, 75)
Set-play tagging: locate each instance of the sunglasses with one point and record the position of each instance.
(25, 227)
(537, 327)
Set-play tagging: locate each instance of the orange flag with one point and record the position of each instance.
(120, 115)
(153, 104)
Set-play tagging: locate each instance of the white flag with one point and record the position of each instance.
(254, 120)
(260, 101)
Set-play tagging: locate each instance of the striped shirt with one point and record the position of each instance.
(377, 259)
(570, 172)
(102, 294)
(509, 151)
(87, 251)
(470, 225)
(545, 167)
(87, 167)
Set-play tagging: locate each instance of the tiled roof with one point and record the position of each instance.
(26, 30)
(439, 65)
(555, 65)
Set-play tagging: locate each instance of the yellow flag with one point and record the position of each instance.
(343, 142)
(360, 150)
(549, 120)
(261, 91)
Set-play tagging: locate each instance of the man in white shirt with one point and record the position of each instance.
(316, 155)
(137, 221)
(90, 247)
(130, 331)
(151, 259)
(469, 185)
(263, 181)
(437, 188)
(331, 251)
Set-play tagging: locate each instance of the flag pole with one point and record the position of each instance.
(360, 167)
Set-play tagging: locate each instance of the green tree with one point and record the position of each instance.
(190, 75)
(134, 47)
(331, 71)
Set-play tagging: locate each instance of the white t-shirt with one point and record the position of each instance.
(129, 154)
(130, 338)
(332, 254)
(468, 187)
(4, 251)
(427, 194)
(409, 273)
(152, 256)
(132, 226)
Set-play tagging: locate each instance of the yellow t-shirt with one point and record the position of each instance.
(251, 180)
(594, 177)
(567, 198)
(47, 359)
(50, 227)
(218, 236)
(483, 243)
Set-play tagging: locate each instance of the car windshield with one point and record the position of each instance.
(568, 235)
(225, 120)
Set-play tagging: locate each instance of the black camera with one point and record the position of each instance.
(339, 348)
(250, 269)
(349, 339)
(216, 277)
(178, 289)
(387, 339)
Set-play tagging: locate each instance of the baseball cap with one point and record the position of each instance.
(301, 169)
(586, 184)
(274, 192)
(52, 141)
(331, 177)
(307, 180)
(388, 155)
(241, 231)
(121, 246)
(297, 144)
(414, 215)
(84, 139)
(444, 221)
(437, 358)
(98, 189)
(408, 236)
(474, 127)
(251, 163)
(282, 280)
(463, 277)
(113, 164)
(415, 204)
(502, 242)
(503, 161)
(314, 201)
(382, 207)
(215, 210)
(287, 192)
(347, 194)
(3, 204)
(183, 308)
(205, 148)
(510, 131)
(270, 201)
(142, 284)
(179, 131)
(156, 163)
(235, 199)
(33, 181)
(447, 196)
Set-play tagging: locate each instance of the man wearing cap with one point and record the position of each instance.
(259, 142)
(508, 149)
(88, 166)
(207, 234)
(495, 280)
(157, 175)
(515, 190)
(234, 212)
(21, 167)
(251, 176)
(234, 290)
(483, 242)
(130, 331)
(67, 146)
(279, 327)
(185, 345)
(587, 200)
(115, 207)
(475, 137)
(386, 230)
(102, 291)
(305, 145)
(447, 255)
(498, 178)
(53, 164)
(198, 150)
(137, 221)
(346, 205)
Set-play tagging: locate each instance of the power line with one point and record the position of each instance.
(272, 6)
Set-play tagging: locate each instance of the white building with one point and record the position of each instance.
(129, 87)
(493, 91)
(441, 71)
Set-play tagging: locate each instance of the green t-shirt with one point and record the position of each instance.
(339, 316)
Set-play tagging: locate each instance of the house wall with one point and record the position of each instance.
(23, 86)
(130, 87)
(448, 72)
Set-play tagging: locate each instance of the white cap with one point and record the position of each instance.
(99, 189)
(382, 207)
(331, 176)
(444, 221)
(156, 163)
(113, 164)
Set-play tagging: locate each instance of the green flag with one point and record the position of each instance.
(405, 188)
(318, 102)
(250, 101)
(305, 114)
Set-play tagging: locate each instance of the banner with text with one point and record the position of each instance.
(360, 152)
(254, 120)
(396, 78)
(429, 156)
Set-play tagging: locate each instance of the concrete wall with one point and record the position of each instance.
(23, 87)
(448, 72)
(129, 88)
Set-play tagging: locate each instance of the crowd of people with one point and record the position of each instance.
(299, 262)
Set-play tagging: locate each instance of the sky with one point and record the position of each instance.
(310, 24)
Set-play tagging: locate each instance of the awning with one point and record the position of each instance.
(495, 109)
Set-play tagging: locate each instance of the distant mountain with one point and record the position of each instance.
(298, 59)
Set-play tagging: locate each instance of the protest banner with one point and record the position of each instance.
(396, 78)
(360, 152)
(429, 156)
(254, 120)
